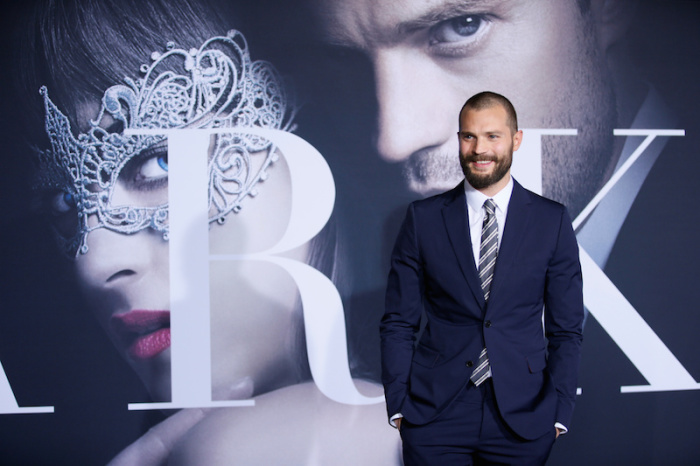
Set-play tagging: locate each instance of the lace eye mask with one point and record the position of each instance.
(215, 86)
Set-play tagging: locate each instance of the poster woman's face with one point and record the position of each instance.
(112, 211)
(253, 304)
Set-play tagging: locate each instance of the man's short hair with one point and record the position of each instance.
(488, 99)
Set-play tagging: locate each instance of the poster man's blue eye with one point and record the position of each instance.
(457, 29)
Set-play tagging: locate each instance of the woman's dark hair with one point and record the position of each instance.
(79, 48)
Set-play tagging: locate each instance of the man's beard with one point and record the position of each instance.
(431, 171)
(479, 181)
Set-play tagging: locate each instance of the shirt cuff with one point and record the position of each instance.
(394, 418)
(562, 428)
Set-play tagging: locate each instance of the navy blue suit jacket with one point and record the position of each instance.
(433, 269)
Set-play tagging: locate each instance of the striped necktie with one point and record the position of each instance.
(487, 262)
(489, 247)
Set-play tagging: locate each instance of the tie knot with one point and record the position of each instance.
(490, 206)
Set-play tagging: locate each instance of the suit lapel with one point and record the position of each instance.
(454, 214)
(515, 230)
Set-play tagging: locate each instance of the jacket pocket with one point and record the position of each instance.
(537, 362)
(426, 357)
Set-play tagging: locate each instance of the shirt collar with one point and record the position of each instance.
(476, 199)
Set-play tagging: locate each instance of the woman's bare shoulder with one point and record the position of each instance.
(293, 425)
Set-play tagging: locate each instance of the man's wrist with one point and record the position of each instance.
(392, 419)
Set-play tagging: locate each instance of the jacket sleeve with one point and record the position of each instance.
(403, 309)
(564, 318)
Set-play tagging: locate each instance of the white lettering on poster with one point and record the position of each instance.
(8, 402)
(605, 302)
(615, 313)
(527, 161)
(314, 194)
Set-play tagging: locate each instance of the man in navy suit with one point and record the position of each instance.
(493, 377)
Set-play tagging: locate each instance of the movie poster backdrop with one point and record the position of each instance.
(199, 199)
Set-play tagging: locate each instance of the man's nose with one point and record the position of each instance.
(479, 147)
(415, 111)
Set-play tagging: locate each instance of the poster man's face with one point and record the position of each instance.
(429, 56)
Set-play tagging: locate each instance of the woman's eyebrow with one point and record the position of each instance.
(115, 127)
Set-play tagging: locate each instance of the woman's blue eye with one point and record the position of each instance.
(163, 162)
(62, 202)
(153, 168)
(146, 171)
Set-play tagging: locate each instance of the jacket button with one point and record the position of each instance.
(487, 324)
(470, 364)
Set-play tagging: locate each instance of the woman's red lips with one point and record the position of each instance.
(151, 345)
(145, 334)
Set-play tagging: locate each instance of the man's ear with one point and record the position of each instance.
(517, 139)
(612, 20)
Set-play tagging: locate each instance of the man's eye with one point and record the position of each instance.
(456, 29)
